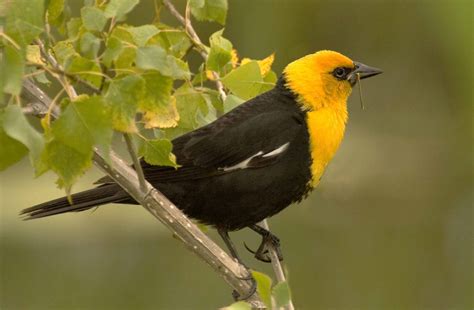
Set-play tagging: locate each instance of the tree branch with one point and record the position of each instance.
(152, 200)
(186, 21)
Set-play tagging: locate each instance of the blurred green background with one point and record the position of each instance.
(390, 226)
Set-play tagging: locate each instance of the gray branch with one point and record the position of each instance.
(161, 208)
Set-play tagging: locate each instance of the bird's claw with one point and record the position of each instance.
(262, 252)
(251, 291)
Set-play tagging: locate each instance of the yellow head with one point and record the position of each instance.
(325, 79)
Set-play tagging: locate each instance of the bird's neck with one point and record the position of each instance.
(326, 131)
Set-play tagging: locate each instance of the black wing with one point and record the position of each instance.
(253, 135)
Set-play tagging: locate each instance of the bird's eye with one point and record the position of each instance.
(339, 73)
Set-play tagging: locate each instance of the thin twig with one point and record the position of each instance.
(186, 21)
(136, 161)
(276, 264)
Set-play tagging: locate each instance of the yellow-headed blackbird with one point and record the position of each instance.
(254, 161)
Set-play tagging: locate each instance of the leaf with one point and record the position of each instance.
(210, 10)
(24, 21)
(264, 287)
(118, 8)
(89, 45)
(73, 26)
(124, 54)
(33, 54)
(123, 95)
(155, 57)
(64, 50)
(87, 69)
(231, 102)
(240, 305)
(142, 34)
(16, 126)
(11, 151)
(245, 81)
(269, 81)
(55, 12)
(281, 294)
(220, 53)
(165, 117)
(264, 64)
(93, 18)
(157, 105)
(68, 163)
(84, 123)
(189, 103)
(158, 152)
(176, 43)
(112, 51)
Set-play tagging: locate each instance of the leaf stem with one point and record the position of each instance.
(136, 161)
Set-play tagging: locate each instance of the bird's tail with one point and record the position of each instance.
(80, 202)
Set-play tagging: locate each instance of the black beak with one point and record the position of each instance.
(363, 71)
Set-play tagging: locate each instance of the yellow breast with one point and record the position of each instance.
(326, 130)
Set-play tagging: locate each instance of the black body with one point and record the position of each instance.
(209, 186)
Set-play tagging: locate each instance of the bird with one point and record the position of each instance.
(254, 161)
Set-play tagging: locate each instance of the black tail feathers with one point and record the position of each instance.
(80, 202)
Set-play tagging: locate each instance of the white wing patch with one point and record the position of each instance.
(277, 151)
(244, 164)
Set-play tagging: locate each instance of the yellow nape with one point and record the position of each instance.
(325, 98)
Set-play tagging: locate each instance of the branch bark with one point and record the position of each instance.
(157, 204)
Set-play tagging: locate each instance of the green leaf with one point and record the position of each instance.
(157, 105)
(158, 152)
(220, 53)
(210, 10)
(113, 49)
(68, 163)
(89, 45)
(142, 34)
(190, 104)
(118, 8)
(157, 92)
(24, 21)
(281, 294)
(231, 102)
(73, 26)
(269, 81)
(11, 151)
(123, 95)
(176, 43)
(64, 50)
(264, 287)
(16, 126)
(155, 57)
(93, 18)
(123, 54)
(240, 305)
(55, 12)
(246, 81)
(87, 69)
(84, 123)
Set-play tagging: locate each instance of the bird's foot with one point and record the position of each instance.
(268, 240)
(252, 290)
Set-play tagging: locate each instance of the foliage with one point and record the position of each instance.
(134, 79)
(131, 79)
